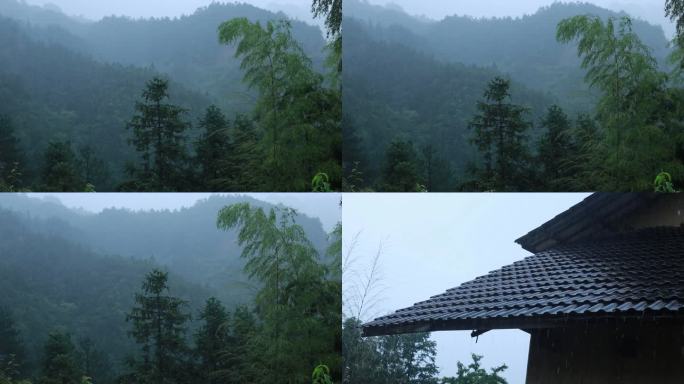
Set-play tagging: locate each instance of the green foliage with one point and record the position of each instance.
(60, 365)
(499, 132)
(215, 152)
(159, 326)
(297, 116)
(674, 9)
(60, 169)
(408, 358)
(400, 171)
(556, 150)
(159, 137)
(321, 375)
(298, 305)
(332, 11)
(214, 343)
(70, 101)
(663, 183)
(321, 183)
(641, 133)
(473, 373)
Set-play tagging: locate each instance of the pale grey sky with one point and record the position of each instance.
(650, 10)
(324, 206)
(96, 9)
(433, 242)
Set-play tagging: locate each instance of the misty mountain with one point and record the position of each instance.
(419, 80)
(51, 92)
(186, 241)
(393, 91)
(49, 282)
(65, 78)
(525, 48)
(185, 48)
(78, 272)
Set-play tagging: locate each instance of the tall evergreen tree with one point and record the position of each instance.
(60, 169)
(214, 344)
(400, 170)
(499, 131)
(159, 136)
(555, 150)
(60, 361)
(215, 151)
(159, 326)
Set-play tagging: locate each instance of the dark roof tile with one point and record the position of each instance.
(623, 275)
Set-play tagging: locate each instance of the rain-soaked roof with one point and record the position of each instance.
(634, 275)
(592, 218)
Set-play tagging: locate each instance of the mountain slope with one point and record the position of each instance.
(51, 283)
(51, 92)
(525, 47)
(393, 91)
(186, 241)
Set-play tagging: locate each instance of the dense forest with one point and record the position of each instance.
(163, 104)
(509, 104)
(73, 312)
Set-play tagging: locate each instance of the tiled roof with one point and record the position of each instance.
(593, 217)
(632, 275)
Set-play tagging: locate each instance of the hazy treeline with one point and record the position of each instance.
(84, 101)
(525, 104)
(70, 315)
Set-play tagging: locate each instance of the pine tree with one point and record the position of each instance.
(499, 131)
(400, 170)
(215, 151)
(214, 344)
(159, 137)
(555, 150)
(60, 169)
(159, 326)
(60, 363)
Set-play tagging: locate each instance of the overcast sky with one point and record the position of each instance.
(650, 10)
(433, 242)
(325, 206)
(96, 9)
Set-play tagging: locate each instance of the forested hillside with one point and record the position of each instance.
(187, 296)
(421, 97)
(50, 283)
(79, 84)
(393, 93)
(186, 241)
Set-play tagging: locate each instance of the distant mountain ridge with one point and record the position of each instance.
(524, 47)
(186, 241)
